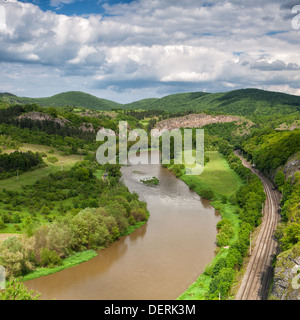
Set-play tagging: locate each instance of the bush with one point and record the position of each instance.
(131, 221)
(139, 215)
(222, 240)
(2, 224)
(280, 179)
(89, 230)
(52, 159)
(221, 283)
(81, 174)
(15, 290)
(150, 181)
(207, 194)
(219, 265)
(226, 232)
(59, 237)
(222, 222)
(234, 259)
(49, 258)
(224, 199)
(241, 246)
(15, 255)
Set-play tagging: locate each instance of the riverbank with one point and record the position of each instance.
(74, 229)
(220, 182)
(69, 262)
(153, 262)
(76, 258)
(199, 289)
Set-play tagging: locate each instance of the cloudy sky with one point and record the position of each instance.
(126, 50)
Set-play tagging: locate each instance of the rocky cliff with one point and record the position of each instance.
(286, 284)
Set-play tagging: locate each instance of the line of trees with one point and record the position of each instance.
(69, 145)
(18, 162)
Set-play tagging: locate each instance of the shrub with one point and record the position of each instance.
(49, 258)
(99, 238)
(89, 230)
(226, 232)
(222, 222)
(59, 238)
(241, 246)
(280, 179)
(131, 221)
(81, 174)
(219, 265)
(2, 224)
(234, 259)
(222, 240)
(224, 199)
(52, 159)
(139, 215)
(207, 194)
(15, 255)
(15, 290)
(221, 283)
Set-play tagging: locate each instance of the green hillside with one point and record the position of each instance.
(71, 98)
(243, 102)
(253, 101)
(179, 101)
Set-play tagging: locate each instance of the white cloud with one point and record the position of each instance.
(59, 3)
(2, 18)
(155, 46)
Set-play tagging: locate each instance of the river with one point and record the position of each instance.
(160, 260)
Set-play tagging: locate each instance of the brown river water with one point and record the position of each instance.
(159, 261)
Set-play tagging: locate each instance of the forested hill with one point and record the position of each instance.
(243, 102)
(71, 98)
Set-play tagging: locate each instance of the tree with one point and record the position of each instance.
(221, 283)
(15, 255)
(49, 258)
(234, 258)
(280, 178)
(2, 224)
(52, 112)
(81, 174)
(16, 290)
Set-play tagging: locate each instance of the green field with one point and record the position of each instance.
(63, 163)
(217, 176)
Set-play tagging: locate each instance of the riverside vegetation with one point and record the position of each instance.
(272, 152)
(68, 211)
(63, 210)
(238, 195)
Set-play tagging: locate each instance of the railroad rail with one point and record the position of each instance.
(258, 274)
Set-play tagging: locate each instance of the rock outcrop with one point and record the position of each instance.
(196, 121)
(286, 284)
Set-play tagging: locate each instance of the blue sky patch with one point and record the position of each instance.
(76, 7)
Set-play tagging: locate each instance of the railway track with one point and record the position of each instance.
(256, 280)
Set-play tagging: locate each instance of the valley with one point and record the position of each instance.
(70, 210)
